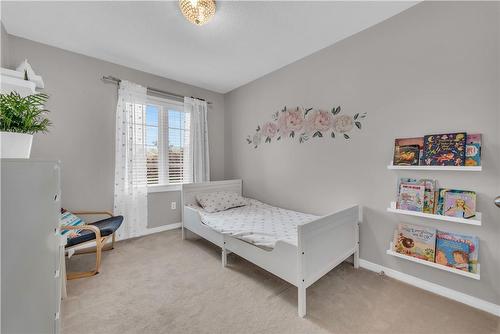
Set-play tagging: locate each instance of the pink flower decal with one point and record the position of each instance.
(343, 123)
(304, 125)
(269, 130)
(290, 121)
(319, 120)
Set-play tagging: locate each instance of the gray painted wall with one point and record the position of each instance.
(431, 69)
(4, 40)
(83, 115)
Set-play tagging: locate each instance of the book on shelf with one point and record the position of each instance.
(445, 149)
(459, 203)
(473, 150)
(408, 151)
(415, 241)
(411, 197)
(457, 251)
(430, 188)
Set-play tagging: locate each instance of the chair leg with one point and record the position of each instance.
(98, 256)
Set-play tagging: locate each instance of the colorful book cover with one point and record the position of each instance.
(445, 149)
(411, 197)
(473, 150)
(460, 203)
(429, 194)
(440, 201)
(407, 180)
(457, 251)
(408, 151)
(416, 241)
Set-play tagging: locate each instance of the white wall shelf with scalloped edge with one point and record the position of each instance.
(476, 276)
(471, 221)
(438, 168)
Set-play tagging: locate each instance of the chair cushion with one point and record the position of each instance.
(69, 219)
(106, 226)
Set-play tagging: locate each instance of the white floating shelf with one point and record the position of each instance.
(435, 265)
(471, 221)
(447, 168)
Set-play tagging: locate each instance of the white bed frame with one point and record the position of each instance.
(322, 244)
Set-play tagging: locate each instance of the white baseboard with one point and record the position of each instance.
(434, 288)
(161, 228)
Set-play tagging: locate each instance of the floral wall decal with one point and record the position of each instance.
(305, 124)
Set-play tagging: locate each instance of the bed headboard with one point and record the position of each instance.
(189, 190)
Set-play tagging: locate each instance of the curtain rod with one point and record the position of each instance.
(114, 80)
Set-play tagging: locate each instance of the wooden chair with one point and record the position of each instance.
(99, 232)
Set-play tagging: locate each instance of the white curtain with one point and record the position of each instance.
(131, 193)
(199, 138)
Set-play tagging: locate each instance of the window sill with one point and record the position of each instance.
(164, 188)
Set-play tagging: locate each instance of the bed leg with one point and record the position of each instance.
(356, 252)
(356, 258)
(302, 300)
(183, 233)
(224, 256)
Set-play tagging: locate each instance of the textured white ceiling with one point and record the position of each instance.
(244, 41)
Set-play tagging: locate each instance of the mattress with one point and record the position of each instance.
(257, 223)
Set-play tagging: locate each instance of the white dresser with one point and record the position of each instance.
(31, 246)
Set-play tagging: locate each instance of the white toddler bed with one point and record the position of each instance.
(299, 252)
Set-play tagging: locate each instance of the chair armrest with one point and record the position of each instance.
(84, 227)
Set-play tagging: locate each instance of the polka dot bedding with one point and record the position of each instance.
(257, 223)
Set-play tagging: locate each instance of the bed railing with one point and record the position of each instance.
(322, 245)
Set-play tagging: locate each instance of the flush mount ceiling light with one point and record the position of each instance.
(197, 12)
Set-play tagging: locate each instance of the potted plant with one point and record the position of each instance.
(20, 118)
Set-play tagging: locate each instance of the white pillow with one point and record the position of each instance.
(220, 200)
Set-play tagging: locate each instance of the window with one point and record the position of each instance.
(167, 143)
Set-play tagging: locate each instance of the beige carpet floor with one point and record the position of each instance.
(162, 284)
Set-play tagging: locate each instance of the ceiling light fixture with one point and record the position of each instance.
(197, 12)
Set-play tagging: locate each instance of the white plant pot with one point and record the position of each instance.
(15, 145)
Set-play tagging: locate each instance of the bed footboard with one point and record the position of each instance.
(322, 245)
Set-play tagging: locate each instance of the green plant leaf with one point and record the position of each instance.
(23, 114)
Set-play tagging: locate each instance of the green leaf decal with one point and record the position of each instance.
(337, 110)
(356, 116)
(346, 136)
(333, 134)
(358, 124)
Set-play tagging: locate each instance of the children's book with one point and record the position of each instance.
(457, 251)
(440, 201)
(407, 180)
(473, 150)
(459, 203)
(429, 194)
(445, 149)
(411, 197)
(408, 151)
(416, 241)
